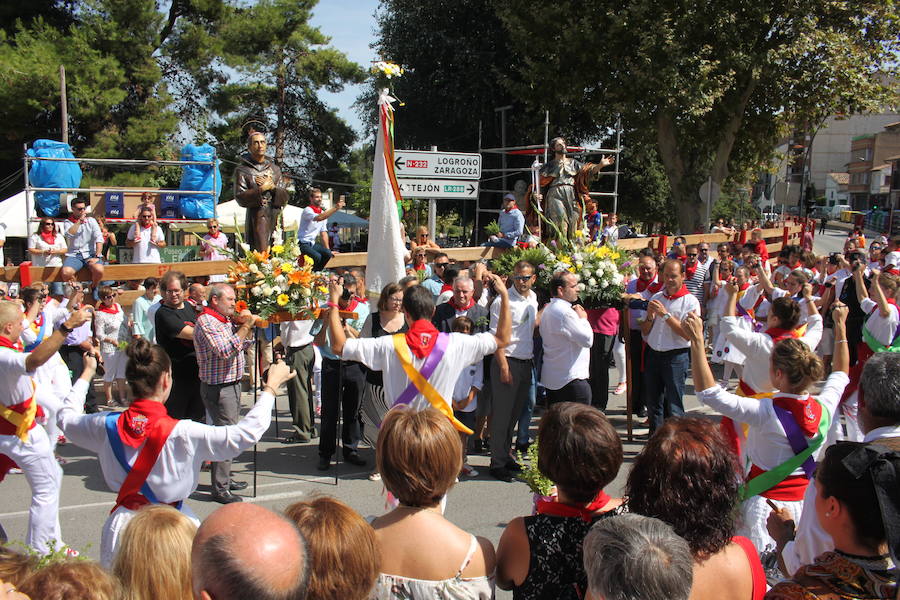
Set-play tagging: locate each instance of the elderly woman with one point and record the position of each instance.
(422, 554)
(180, 446)
(540, 556)
(858, 505)
(688, 476)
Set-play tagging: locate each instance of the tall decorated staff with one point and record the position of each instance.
(386, 249)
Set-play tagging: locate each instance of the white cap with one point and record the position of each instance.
(892, 259)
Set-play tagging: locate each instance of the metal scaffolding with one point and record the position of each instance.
(29, 189)
(504, 171)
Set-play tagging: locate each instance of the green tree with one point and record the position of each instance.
(713, 84)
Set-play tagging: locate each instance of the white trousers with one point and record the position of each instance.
(754, 514)
(44, 476)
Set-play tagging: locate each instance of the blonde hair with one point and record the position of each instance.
(154, 556)
(419, 455)
(800, 364)
(9, 312)
(889, 282)
(336, 535)
(15, 567)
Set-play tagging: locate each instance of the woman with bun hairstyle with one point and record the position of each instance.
(787, 430)
(147, 456)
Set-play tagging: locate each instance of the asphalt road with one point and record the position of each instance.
(286, 474)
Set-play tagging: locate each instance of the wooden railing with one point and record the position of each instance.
(25, 273)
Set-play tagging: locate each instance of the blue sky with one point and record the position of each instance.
(351, 26)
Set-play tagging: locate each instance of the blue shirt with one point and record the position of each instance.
(511, 224)
(362, 312)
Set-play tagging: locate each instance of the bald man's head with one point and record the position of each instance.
(246, 551)
(10, 320)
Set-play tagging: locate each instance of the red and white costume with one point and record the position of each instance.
(25, 443)
(767, 446)
(176, 471)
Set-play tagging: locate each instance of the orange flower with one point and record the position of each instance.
(261, 256)
(240, 306)
(277, 271)
(300, 277)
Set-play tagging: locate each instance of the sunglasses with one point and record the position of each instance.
(523, 277)
(692, 255)
(44, 224)
(213, 227)
(105, 296)
(441, 265)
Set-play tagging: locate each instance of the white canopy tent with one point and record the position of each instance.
(14, 215)
(231, 213)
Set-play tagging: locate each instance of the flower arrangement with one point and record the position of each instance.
(387, 69)
(600, 270)
(277, 280)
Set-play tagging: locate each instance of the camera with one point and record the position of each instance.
(833, 258)
(638, 304)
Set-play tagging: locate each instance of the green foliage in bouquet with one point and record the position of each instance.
(530, 473)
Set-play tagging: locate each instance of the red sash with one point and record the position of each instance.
(791, 489)
(130, 495)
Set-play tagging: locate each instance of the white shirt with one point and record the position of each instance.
(810, 540)
(661, 337)
(176, 472)
(757, 349)
(767, 444)
(15, 381)
(297, 333)
(523, 311)
(310, 230)
(45, 260)
(471, 377)
(882, 328)
(567, 340)
(379, 355)
(144, 251)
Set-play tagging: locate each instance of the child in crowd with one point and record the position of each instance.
(146, 200)
(465, 394)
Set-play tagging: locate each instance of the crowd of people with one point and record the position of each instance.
(792, 493)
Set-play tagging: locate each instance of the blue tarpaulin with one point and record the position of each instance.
(199, 178)
(53, 174)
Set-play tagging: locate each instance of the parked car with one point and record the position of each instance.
(837, 209)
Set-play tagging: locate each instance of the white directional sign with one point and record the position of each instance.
(443, 165)
(438, 188)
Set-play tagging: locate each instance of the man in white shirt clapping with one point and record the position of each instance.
(567, 337)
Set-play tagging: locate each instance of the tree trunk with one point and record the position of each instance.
(687, 204)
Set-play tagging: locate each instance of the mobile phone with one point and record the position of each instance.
(638, 304)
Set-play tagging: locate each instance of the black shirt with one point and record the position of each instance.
(169, 323)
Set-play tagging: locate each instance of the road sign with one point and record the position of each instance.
(438, 188)
(443, 165)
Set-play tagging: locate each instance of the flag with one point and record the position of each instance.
(386, 249)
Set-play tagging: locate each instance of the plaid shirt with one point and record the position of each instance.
(220, 352)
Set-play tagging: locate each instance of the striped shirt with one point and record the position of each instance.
(695, 283)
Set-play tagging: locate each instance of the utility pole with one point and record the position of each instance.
(63, 104)
(502, 110)
(432, 212)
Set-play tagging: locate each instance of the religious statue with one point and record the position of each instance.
(260, 188)
(565, 184)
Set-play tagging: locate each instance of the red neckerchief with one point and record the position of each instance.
(215, 235)
(6, 343)
(73, 220)
(689, 271)
(352, 304)
(462, 308)
(50, 238)
(777, 334)
(586, 513)
(744, 287)
(446, 288)
(682, 292)
(316, 209)
(139, 420)
(39, 320)
(419, 267)
(794, 267)
(113, 310)
(363, 300)
(807, 412)
(421, 337)
(652, 284)
(511, 208)
(214, 314)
